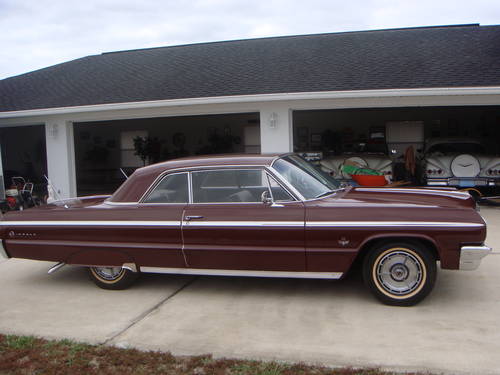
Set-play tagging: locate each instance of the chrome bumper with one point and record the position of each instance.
(463, 182)
(470, 256)
(3, 253)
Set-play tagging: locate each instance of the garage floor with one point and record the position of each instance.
(455, 330)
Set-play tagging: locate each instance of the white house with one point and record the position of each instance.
(76, 121)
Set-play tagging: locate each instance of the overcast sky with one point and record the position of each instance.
(39, 33)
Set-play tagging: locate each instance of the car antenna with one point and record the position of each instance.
(123, 173)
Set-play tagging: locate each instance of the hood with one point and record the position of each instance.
(407, 197)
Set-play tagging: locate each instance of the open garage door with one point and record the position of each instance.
(24, 155)
(103, 148)
(433, 146)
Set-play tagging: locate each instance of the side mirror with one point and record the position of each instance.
(266, 198)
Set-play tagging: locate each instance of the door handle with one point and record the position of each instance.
(193, 217)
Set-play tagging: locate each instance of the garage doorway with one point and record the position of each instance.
(24, 154)
(352, 133)
(103, 148)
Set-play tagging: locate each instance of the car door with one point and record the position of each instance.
(228, 227)
(162, 210)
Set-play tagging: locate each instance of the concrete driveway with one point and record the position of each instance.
(455, 330)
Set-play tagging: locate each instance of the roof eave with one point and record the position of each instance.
(442, 91)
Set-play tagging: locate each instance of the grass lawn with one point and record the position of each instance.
(30, 355)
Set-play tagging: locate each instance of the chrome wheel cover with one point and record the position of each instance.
(108, 273)
(399, 272)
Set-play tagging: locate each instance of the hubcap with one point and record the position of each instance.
(399, 272)
(108, 273)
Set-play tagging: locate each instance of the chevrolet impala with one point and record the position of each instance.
(255, 215)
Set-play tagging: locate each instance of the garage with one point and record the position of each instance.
(380, 138)
(23, 159)
(379, 92)
(106, 148)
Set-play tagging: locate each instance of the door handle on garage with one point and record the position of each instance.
(193, 217)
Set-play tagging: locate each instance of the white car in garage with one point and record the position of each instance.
(370, 155)
(460, 162)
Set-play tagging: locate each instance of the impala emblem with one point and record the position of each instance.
(343, 241)
(21, 234)
(465, 165)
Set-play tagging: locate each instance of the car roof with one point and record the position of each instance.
(214, 160)
(137, 184)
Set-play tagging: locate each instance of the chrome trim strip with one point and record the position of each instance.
(130, 266)
(471, 256)
(312, 224)
(120, 203)
(56, 268)
(286, 184)
(410, 190)
(91, 223)
(315, 224)
(3, 253)
(214, 223)
(190, 187)
(246, 273)
(156, 182)
(191, 169)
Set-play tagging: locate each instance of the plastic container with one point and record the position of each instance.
(369, 180)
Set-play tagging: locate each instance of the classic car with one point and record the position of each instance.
(460, 162)
(261, 215)
(369, 155)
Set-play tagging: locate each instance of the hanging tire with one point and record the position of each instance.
(114, 278)
(400, 273)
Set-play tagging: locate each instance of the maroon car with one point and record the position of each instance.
(271, 216)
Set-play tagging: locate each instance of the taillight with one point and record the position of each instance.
(434, 171)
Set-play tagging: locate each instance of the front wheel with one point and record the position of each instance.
(400, 274)
(115, 278)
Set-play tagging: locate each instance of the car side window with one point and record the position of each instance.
(229, 185)
(173, 188)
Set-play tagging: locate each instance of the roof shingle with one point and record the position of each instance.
(460, 56)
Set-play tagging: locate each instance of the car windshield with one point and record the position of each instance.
(309, 181)
(454, 148)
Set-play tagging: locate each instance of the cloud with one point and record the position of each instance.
(36, 34)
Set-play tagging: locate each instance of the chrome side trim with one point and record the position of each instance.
(56, 268)
(120, 203)
(91, 223)
(3, 253)
(246, 273)
(311, 224)
(439, 224)
(130, 266)
(191, 223)
(470, 256)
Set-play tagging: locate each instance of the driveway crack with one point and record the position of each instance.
(149, 311)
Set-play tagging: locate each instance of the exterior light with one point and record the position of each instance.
(53, 130)
(273, 120)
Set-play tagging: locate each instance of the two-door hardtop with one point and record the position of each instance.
(254, 215)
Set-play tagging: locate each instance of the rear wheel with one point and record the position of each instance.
(115, 278)
(400, 274)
